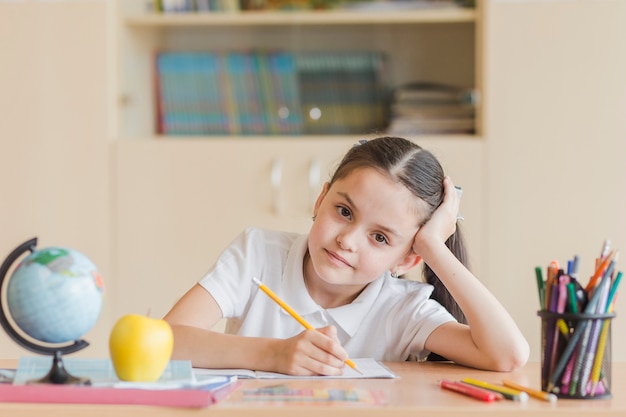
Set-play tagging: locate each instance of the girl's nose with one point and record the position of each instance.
(347, 239)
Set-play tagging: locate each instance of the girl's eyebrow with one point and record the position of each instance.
(378, 226)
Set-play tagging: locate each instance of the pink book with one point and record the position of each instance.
(73, 394)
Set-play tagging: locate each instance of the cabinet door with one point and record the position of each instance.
(179, 203)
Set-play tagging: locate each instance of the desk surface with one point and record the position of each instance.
(415, 392)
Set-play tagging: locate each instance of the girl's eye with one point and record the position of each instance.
(343, 212)
(380, 238)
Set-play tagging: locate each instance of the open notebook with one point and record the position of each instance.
(370, 368)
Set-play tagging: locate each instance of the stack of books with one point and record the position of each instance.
(269, 93)
(342, 93)
(233, 93)
(432, 108)
(178, 386)
(186, 6)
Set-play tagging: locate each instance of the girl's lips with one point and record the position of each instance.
(337, 258)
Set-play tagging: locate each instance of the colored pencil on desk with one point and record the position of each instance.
(471, 391)
(295, 315)
(508, 393)
(547, 396)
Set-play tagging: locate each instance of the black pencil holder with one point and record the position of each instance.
(576, 354)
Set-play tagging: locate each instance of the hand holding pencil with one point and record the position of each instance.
(293, 314)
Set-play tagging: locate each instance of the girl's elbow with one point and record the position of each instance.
(517, 357)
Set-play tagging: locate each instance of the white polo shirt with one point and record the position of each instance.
(390, 320)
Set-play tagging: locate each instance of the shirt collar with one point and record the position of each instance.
(296, 295)
(350, 316)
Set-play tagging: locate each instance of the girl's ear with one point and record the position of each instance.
(320, 198)
(409, 262)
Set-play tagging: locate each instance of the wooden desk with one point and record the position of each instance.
(415, 393)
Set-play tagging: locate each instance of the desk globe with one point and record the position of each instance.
(54, 296)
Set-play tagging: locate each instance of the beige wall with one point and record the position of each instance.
(556, 142)
(54, 167)
(549, 178)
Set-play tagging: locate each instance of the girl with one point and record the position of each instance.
(387, 208)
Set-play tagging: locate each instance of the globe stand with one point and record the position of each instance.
(57, 374)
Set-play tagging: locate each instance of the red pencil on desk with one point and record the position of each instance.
(471, 391)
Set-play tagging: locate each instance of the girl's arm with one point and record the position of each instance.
(192, 317)
(491, 340)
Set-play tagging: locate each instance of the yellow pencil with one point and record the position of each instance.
(509, 393)
(542, 395)
(295, 315)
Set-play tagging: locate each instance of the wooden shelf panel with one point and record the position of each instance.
(437, 138)
(314, 18)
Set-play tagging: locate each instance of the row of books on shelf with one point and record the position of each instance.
(186, 6)
(273, 93)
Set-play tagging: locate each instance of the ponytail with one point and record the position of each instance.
(456, 244)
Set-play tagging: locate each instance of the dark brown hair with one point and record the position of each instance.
(419, 171)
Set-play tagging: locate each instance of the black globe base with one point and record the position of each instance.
(59, 375)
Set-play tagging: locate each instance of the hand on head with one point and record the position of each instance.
(442, 223)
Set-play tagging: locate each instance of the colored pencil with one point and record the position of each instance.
(542, 395)
(508, 393)
(471, 391)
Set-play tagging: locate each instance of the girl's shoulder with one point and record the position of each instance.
(406, 288)
(270, 235)
(268, 242)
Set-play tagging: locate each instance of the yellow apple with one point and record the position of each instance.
(140, 347)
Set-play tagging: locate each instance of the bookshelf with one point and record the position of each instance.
(432, 44)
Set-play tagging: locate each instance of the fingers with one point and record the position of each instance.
(452, 193)
(330, 331)
(315, 352)
(328, 348)
(443, 222)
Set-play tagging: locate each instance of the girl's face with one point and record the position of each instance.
(364, 226)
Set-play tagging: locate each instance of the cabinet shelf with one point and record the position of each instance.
(313, 18)
(288, 139)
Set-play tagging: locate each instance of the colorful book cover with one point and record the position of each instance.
(286, 110)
